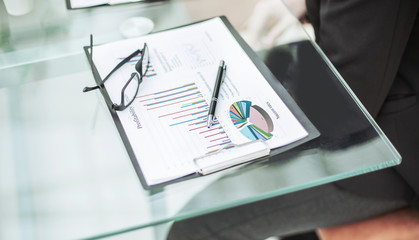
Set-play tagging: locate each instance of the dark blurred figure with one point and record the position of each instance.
(374, 44)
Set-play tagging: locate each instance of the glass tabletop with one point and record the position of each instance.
(64, 170)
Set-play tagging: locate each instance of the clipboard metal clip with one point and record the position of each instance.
(230, 156)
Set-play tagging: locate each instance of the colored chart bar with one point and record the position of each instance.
(184, 107)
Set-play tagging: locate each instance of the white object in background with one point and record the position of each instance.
(136, 26)
(18, 7)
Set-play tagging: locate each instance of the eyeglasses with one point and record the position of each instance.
(130, 89)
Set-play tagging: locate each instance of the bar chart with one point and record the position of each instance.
(184, 108)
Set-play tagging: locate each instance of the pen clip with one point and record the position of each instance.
(224, 73)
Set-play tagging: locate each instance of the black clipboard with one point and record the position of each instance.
(263, 69)
(72, 7)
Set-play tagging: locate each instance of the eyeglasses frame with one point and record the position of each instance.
(138, 67)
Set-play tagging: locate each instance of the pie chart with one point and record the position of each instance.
(252, 121)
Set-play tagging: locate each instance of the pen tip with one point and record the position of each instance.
(209, 121)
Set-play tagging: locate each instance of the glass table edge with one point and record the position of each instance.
(260, 197)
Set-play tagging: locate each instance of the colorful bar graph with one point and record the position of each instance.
(151, 72)
(184, 107)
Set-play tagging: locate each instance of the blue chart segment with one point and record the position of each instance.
(252, 121)
(183, 107)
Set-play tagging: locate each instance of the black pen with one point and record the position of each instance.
(220, 77)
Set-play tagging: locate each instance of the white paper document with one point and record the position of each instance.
(166, 124)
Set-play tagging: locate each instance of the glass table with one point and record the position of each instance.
(64, 171)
